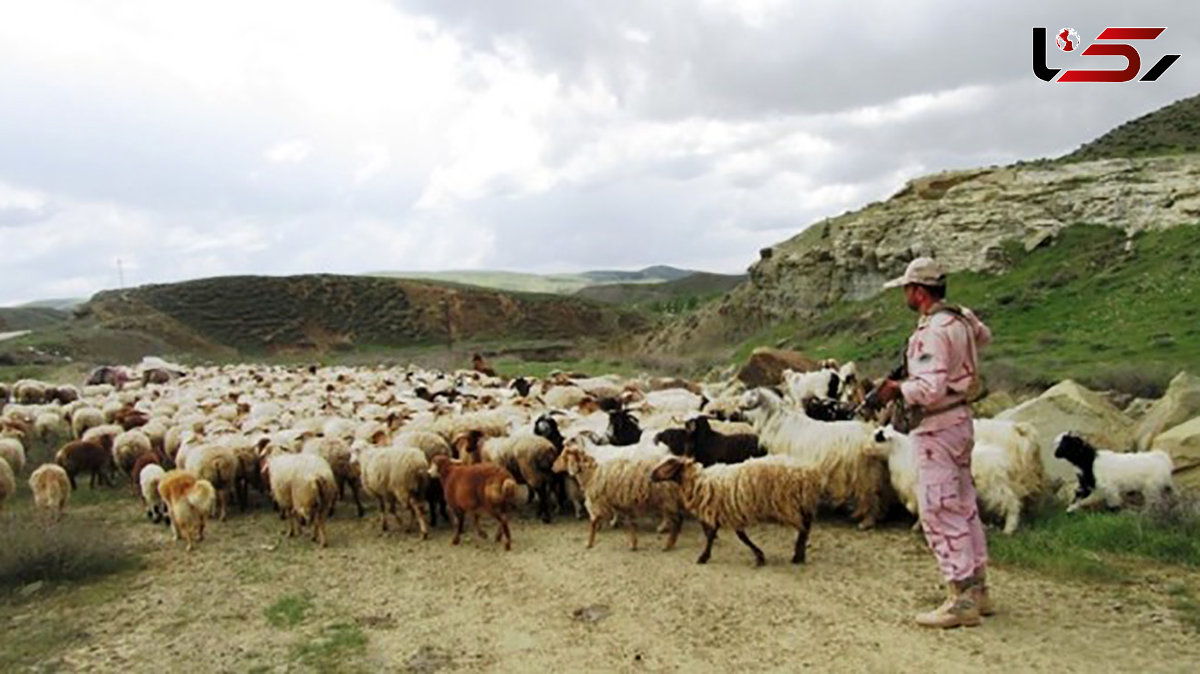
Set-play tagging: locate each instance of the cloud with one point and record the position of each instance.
(191, 139)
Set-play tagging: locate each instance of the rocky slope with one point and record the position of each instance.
(967, 219)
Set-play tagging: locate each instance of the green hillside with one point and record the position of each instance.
(1174, 129)
(1082, 308)
(30, 318)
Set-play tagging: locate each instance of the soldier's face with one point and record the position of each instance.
(912, 294)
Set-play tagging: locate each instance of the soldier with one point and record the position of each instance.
(942, 365)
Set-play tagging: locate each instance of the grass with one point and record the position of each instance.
(1081, 308)
(289, 611)
(1094, 546)
(74, 549)
(333, 650)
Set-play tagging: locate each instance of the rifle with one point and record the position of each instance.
(871, 404)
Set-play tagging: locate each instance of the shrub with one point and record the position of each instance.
(70, 550)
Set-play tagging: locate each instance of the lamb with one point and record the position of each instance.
(394, 475)
(476, 488)
(189, 500)
(840, 450)
(29, 392)
(776, 489)
(51, 488)
(709, 447)
(8, 483)
(1106, 476)
(148, 481)
(51, 427)
(135, 473)
(78, 456)
(303, 488)
(527, 457)
(621, 486)
(13, 453)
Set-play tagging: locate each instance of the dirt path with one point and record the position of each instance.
(394, 603)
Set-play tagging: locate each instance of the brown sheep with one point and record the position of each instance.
(476, 488)
(85, 455)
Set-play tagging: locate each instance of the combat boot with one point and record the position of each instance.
(979, 592)
(958, 610)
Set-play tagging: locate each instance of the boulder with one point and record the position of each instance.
(1068, 406)
(995, 403)
(1180, 403)
(766, 365)
(1183, 444)
(1137, 409)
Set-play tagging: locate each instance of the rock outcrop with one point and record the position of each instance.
(1180, 403)
(1183, 444)
(967, 219)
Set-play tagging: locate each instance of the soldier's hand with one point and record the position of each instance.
(888, 391)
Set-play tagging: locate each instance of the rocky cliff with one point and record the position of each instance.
(967, 219)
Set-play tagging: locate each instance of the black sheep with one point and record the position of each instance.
(709, 447)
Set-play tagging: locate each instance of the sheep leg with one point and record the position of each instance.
(543, 494)
(479, 527)
(631, 525)
(71, 479)
(319, 528)
(382, 516)
(357, 499)
(503, 529)
(592, 531)
(461, 519)
(673, 532)
(799, 556)
(710, 535)
(759, 558)
(415, 506)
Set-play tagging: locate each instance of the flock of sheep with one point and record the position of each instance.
(469, 443)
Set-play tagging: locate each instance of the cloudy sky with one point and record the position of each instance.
(191, 139)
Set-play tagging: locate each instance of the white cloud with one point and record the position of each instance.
(288, 152)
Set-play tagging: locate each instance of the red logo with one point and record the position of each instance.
(1067, 40)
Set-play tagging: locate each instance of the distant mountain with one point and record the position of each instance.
(682, 294)
(61, 304)
(13, 319)
(560, 284)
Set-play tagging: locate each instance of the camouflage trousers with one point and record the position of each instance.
(949, 506)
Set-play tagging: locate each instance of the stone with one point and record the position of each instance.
(765, 366)
(1068, 406)
(1183, 444)
(1180, 403)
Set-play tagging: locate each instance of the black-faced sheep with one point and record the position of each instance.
(1105, 477)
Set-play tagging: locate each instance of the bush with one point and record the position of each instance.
(69, 550)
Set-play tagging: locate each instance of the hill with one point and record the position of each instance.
(257, 316)
(30, 318)
(672, 297)
(1174, 129)
(562, 284)
(1094, 305)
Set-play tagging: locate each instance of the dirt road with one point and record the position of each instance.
(393, 603)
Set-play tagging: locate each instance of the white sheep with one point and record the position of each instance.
(51, 427)
(1106, 476)
(851, 474)
(303, 487)
(128, 447)
(84, 419)
(151, 475)
(51, 488)
(1003, 479)
(777, 489)
(803, 386)
(394, 475)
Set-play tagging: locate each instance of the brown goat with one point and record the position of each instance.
(481, 366)
(476, 488)
(79, 456)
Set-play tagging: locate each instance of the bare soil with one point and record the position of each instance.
(394, 603)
